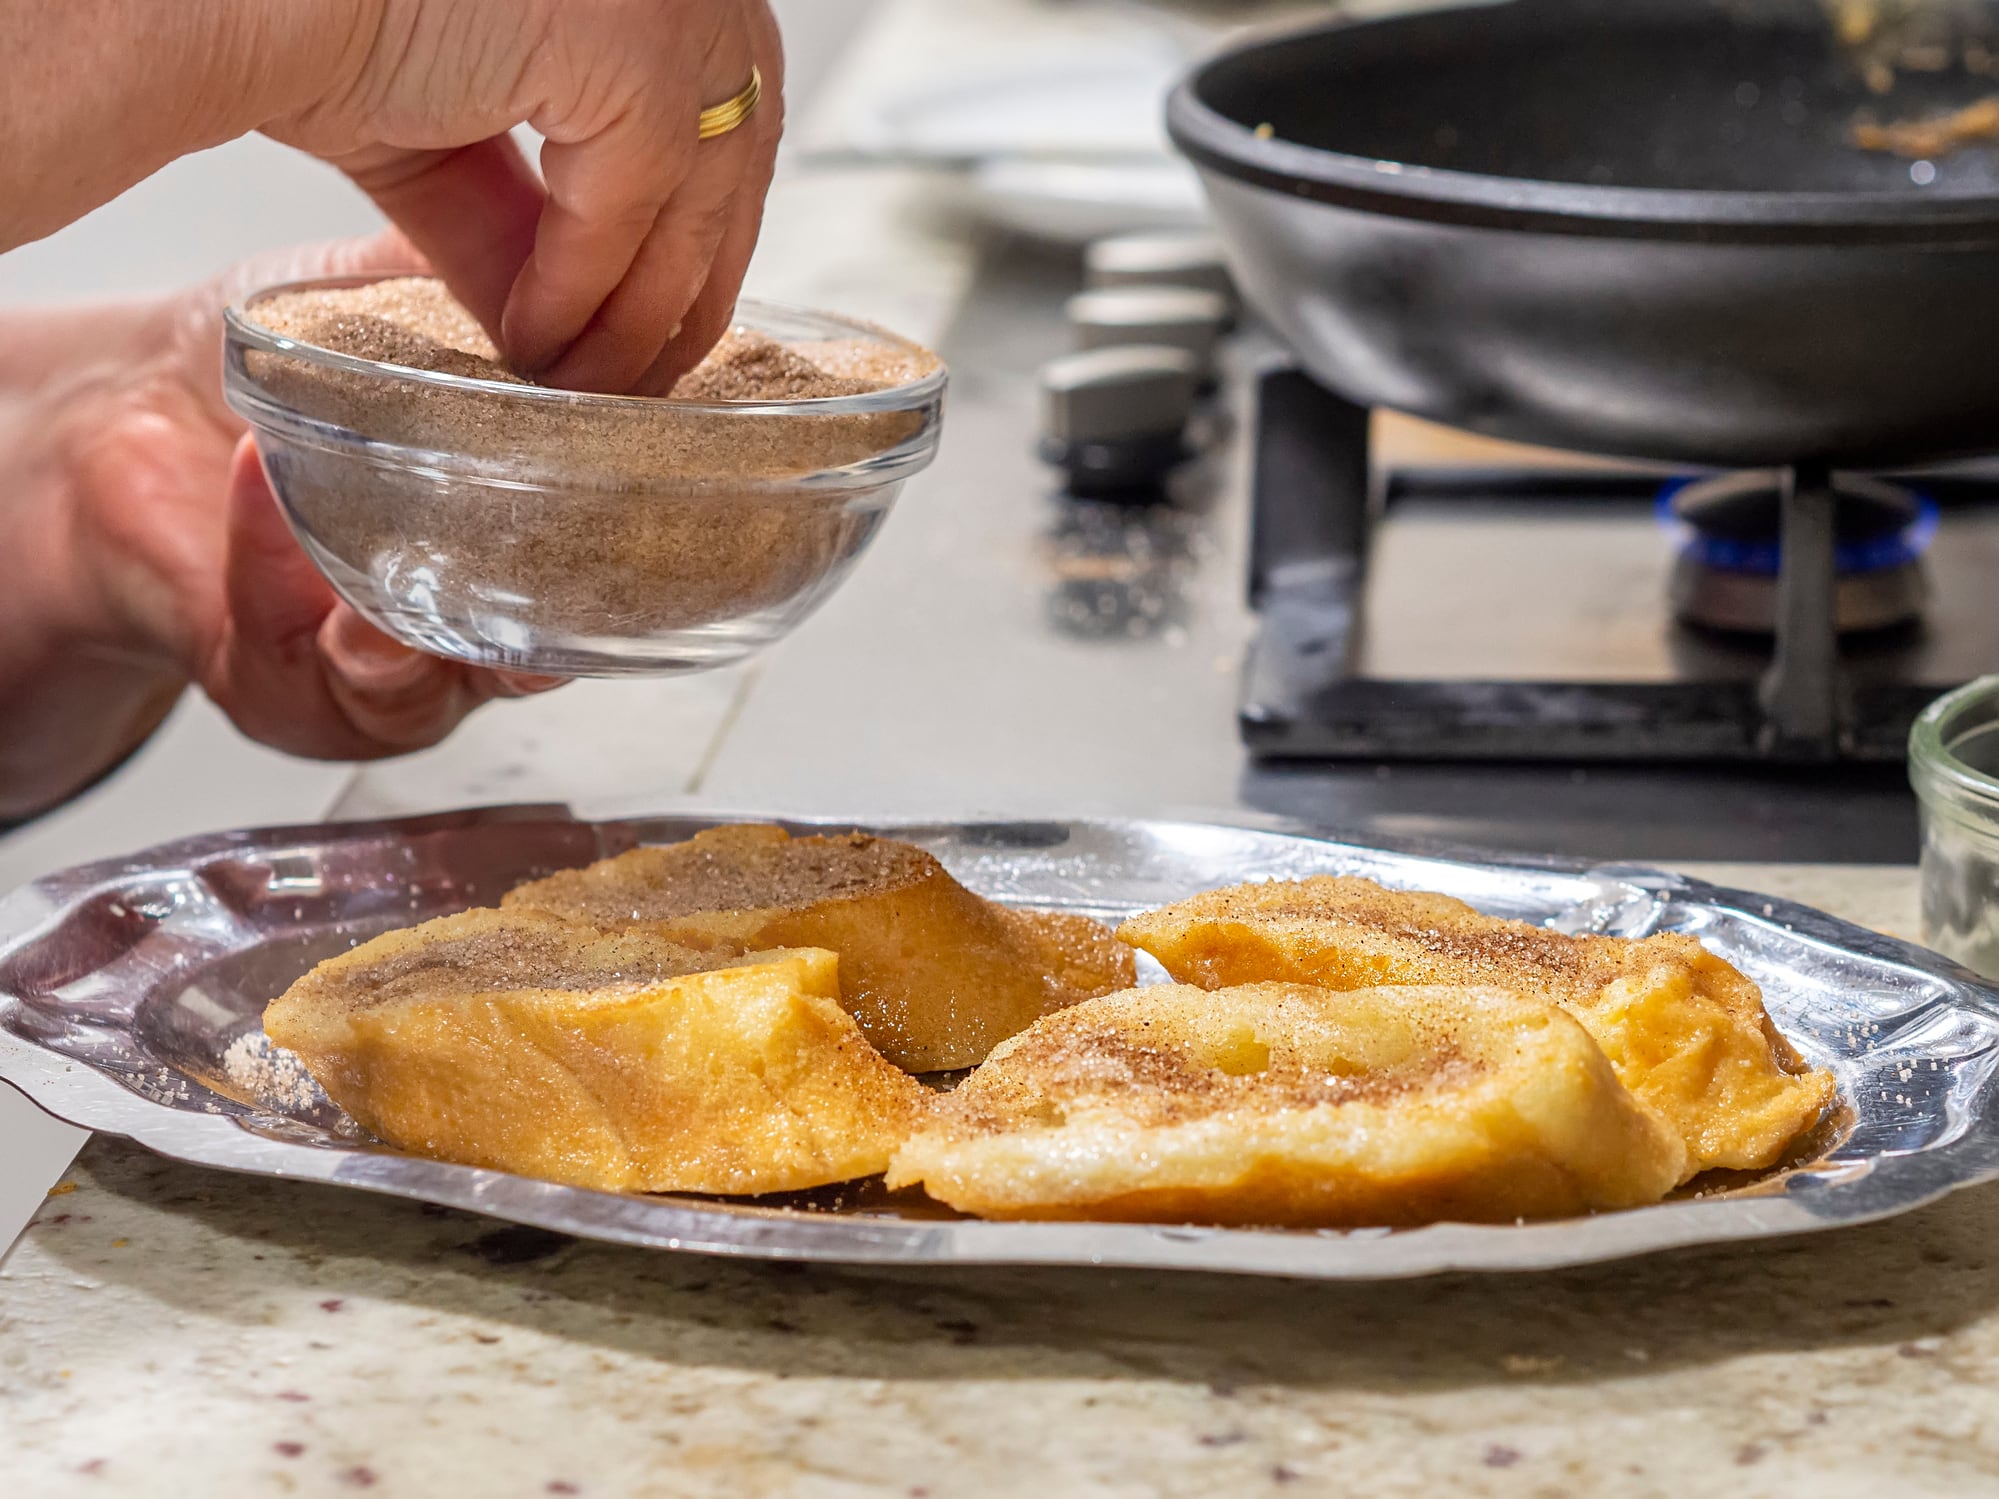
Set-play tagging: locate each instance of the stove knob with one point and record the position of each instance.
(1188, 258)
(1115, 419)
(1177, 316)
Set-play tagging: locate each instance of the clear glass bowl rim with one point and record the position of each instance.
(1940, 779)
(239, 320)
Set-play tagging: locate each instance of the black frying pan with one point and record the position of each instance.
(1626, 226)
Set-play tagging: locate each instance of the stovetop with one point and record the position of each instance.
(1527, 611)
(1036, 652)
(1483, 650)
(1459, 629)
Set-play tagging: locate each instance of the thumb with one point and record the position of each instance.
(265, 637)
(274, 595)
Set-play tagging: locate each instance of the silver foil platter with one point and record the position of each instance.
(124, 985)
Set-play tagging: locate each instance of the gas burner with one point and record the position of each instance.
(1725, 577)
(1457, 614)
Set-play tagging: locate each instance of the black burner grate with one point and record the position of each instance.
(1314, 508)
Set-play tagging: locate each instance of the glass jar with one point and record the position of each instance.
(1954, 768)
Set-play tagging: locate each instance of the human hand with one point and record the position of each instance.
(618, 276)
(150, 553)
(624, 271)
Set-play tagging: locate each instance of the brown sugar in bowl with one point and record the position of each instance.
(487, 519)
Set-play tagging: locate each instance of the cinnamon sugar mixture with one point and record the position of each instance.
(413, 321)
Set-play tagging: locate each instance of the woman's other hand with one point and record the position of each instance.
(624, 272)
(148, 553)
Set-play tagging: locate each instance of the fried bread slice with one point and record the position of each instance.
(1288, 1104)
(518, 1041)
(1686, 1031)
(935, 975)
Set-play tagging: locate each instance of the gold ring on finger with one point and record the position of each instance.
(721, 118)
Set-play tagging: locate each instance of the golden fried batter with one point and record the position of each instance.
(1687, 1033)
(935, 975)
(1287, 1104)
(525, 1043)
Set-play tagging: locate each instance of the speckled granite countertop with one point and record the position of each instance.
(166, 1329)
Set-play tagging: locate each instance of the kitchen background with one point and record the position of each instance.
(1011, 650)
(1008, 648)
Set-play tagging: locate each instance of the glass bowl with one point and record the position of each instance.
(1954, 768)
(580, 535)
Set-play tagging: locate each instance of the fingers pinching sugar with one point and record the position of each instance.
(609, 273)
(647, 309)
(472, 211)
(636, 217)
(709, 317)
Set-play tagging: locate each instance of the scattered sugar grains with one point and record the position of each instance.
(270, 1075)
(628, 516)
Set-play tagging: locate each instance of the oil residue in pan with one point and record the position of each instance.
(1934, 136)
(1926, 43)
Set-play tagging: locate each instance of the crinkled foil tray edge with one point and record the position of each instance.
(99, 963)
